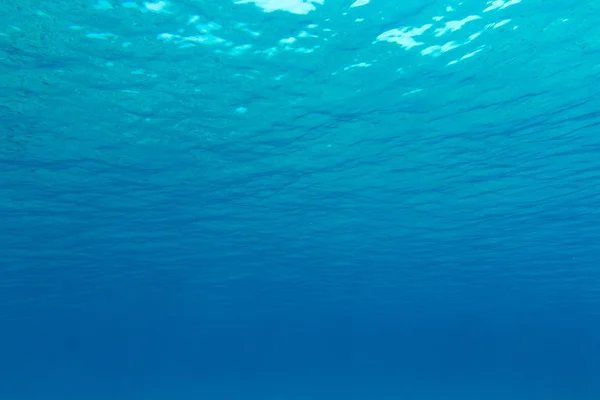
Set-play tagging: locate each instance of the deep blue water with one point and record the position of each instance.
(291, 200)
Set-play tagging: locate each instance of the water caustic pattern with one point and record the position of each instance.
(239, 38)
(360, 124)
(418, 120)
(390, 194)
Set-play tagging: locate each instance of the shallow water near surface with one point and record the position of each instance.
(281, 199)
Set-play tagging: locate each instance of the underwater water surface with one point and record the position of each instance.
(299, 199)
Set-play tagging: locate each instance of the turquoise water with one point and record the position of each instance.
(287, 199)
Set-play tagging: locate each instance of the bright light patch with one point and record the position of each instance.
(306, 50)
(159, 6)
(301, 7)
(474, 36)
(438, 50)
(499, 24)
(500, 4)
(404, 37)
(289, 40)
(101, 36)
(359, 65)
(204, 39)
(469, 55)
(167, 36)
(452, 26)
(360, 3)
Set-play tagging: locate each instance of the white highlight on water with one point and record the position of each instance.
(302, 7)
(360, 3)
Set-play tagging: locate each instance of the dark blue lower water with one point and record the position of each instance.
(291, 200)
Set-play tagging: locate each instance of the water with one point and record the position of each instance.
(285, 199)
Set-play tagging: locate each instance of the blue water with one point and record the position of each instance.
(291, 200)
